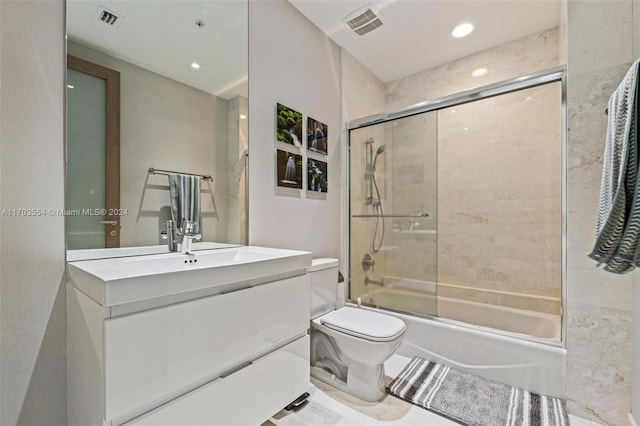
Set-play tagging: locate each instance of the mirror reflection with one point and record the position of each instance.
(155, 91)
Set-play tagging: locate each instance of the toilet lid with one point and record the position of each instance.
(364, 324)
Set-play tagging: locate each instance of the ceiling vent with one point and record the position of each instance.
(108, 17)
(364, 20)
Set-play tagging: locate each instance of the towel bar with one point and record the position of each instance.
(166, 172)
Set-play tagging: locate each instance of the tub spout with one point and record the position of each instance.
(370, 281)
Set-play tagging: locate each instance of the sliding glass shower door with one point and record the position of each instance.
(457, 212)
(393, 214)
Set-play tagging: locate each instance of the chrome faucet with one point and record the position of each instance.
(171, 236)
(188, 235)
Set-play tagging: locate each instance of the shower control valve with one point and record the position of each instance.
(368, 262)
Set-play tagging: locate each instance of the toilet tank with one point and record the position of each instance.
(324, 285)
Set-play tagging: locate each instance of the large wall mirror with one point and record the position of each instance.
(155, 87)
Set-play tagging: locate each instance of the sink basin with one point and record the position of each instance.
(105, 253)
(123, 280)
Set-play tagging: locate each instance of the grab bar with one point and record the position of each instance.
(392, 215)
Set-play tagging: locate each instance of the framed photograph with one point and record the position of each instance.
(289, 126)
(288, 169)
(317, 136)
(317, 176)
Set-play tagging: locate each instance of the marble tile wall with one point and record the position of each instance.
(237, 145)
(412, 145)
(536, 52)
(362, 229)
(598, 303)
(500, 199)
(406, 176)
(635, 367)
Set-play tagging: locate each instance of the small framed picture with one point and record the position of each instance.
(317, 136)
(289, 126)
(288, 169)
(317, 176)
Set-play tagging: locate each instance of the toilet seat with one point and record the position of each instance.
(364, 324)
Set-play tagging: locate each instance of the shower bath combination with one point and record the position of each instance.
(376, 202)
(468, 262)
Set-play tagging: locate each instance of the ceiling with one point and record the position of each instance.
(162, 36)
(416, 34)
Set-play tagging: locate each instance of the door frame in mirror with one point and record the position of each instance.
(112, 178)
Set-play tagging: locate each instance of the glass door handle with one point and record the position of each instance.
(109, 222)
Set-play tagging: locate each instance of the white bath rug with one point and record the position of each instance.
(472, 400)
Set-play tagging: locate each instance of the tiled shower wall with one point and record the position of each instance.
(500, 200)
(412, 162)
(362, 228)
(535, 52)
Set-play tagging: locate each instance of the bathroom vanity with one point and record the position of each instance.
(218, 337)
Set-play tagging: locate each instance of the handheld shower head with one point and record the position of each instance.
(378, 152)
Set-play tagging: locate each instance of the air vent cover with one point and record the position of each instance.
(364, 20)
(108, 17)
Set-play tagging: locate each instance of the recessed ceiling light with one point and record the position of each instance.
(243, 117)
(69, 86)
(462, 30)
(453, 111)
(479, 72)
(195, 65)
(528, 98)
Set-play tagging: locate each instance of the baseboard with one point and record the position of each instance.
(632, 420)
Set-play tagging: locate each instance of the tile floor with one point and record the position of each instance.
(328, 406)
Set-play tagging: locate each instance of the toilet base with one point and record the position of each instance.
(363, 381)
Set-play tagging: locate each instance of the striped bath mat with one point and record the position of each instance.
(472, 400)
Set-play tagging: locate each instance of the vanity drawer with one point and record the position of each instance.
(247, 397)
(156, 355)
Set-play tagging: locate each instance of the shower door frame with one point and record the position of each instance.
(556, 74)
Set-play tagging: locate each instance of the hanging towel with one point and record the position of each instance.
(618, 226)
(185, 199)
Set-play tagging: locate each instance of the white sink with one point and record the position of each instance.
(122, 280)
(105, 253)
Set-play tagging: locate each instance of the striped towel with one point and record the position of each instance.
(184, 191)
(618, 226)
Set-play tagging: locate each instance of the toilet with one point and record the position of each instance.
(348, 345)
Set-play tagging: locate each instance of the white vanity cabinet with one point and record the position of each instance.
(232, 353)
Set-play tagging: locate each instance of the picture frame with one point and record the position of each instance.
(288, 169)
(317, 175)
(288, 125)
(317, 136)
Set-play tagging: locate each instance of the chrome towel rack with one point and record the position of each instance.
(166, 172)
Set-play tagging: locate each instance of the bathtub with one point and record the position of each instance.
(534, 364)
(530, 323)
